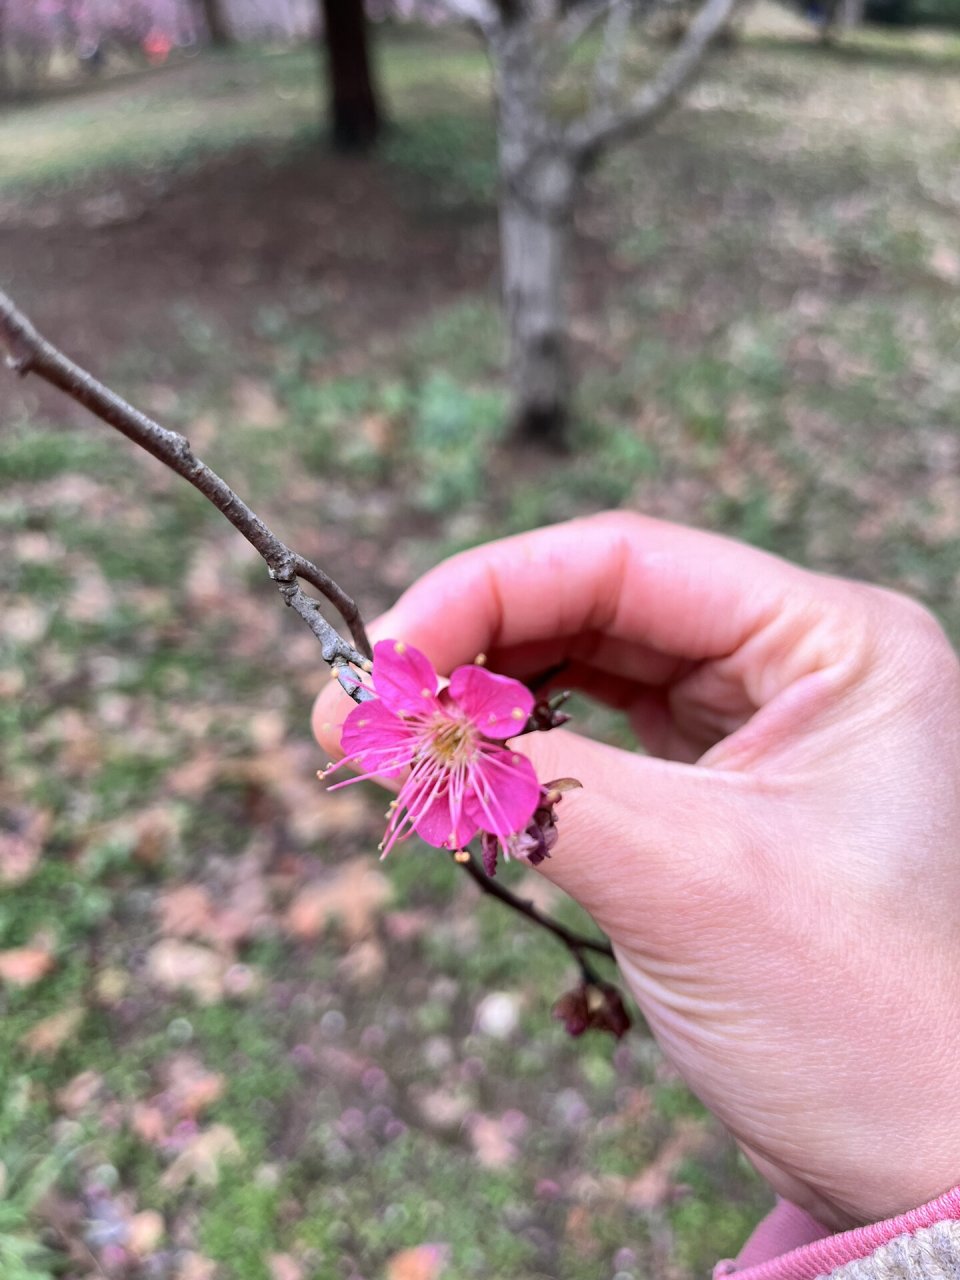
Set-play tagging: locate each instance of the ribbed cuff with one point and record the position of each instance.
(790, 1245)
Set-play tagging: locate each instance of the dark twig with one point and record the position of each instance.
(575, 943)
(29, 352)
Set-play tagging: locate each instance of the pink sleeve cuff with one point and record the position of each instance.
(790, 1245)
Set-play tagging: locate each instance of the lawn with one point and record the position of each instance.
(232, 1039)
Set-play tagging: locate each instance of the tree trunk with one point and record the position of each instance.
(218, 30)
(534, 243)
(354, 114)
(5, 87)
(538, 184)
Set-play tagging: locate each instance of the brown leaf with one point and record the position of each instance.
(283, 1267)
(201, 1159)
(655, 1186)
(190, 1087)
(23, 966)
(77, 1094)
(491, 1145)
(185, 966)
(21, 846)
(46, 1038)
(353, 895)
(423, 1262)
(148, 1123)
(364, 965)
(184, 911)
(255, 404)
(146, 1231)
(193, 1266)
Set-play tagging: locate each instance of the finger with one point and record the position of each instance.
(665, 589)
(641, 829)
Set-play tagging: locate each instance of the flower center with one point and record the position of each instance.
(451, 742)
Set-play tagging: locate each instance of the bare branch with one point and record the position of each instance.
(29, 352)
(609, 63)
(484, 13)
(576, 943)
(602, 127)
(579, 21)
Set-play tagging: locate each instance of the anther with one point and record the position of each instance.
(461, 856)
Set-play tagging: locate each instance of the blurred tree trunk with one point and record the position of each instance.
(841, 16)
(537, 183)
(5, 86)
(218, 29)
(544, 153)
(354, 114)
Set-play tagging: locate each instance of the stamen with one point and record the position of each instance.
(461, 856)
(480, 660)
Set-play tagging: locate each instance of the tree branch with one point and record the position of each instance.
(484, 13)
(575, 943)
(602, 127)
(575, 25)
(609, 63)
(29, 352)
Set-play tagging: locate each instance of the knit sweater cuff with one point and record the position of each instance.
(790, 1245)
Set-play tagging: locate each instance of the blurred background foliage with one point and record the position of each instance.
(233, 1045)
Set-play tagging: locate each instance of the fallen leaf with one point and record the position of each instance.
(256, 405)
(46, 1038)
(655, 1186)
(184, 911)
(185, 966)
(491, 1145)
(148, 1123)
(283, 1267)
(193, 1266)
(23, 966)
(353, 895)
(20, 847)
(423, 1262)
(201, 1158)
(146, 1231)
(190, 1087)
(78, 1094)
(364, 965)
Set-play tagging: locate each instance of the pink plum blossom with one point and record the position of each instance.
(462, 777)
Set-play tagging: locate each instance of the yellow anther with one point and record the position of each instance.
(461, 856)
(321, 775)
(366, 665)
(518, 713)
(426, 693)
(399, 647)
(480, 660)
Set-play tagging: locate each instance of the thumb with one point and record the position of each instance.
(642, 831)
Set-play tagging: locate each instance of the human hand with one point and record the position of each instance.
(781, 875)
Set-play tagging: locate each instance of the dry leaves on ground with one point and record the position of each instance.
(353, 895)
(48, 1037)
(424, 1262)
(200, 1160)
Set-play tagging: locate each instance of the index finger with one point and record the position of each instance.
(627, 578)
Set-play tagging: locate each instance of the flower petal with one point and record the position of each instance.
(504, 792)
(373, 735)
(403, 677)
(497, 705)
(443, 829)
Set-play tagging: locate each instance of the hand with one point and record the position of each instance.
(780, 876)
